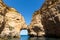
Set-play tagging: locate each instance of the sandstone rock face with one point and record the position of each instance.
(11, 22)
(36, 27)
(47, 19)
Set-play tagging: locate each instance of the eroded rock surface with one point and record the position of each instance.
(36, 28)
(46, 19)
(11, 22)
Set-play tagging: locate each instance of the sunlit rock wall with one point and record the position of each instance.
(46, 21)
(11, 22)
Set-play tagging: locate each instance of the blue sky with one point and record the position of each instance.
(25, 7)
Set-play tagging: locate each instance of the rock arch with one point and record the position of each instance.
(11, 22)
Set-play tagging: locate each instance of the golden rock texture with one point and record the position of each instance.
(11, 22)
(36, 28)
(46, 21)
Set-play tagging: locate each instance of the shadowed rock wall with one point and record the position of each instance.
(46, 19)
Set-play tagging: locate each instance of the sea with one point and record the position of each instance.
(26, 37)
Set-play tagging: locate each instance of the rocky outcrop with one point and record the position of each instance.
(46, 21)
(36, 28)
(11, 22)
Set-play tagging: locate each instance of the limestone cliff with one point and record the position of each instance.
(46, 21)
(36, 28)
(11, 22)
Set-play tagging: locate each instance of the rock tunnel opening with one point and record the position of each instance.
(24, 32)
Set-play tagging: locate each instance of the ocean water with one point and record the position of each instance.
(26, 37)
(37, 38)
